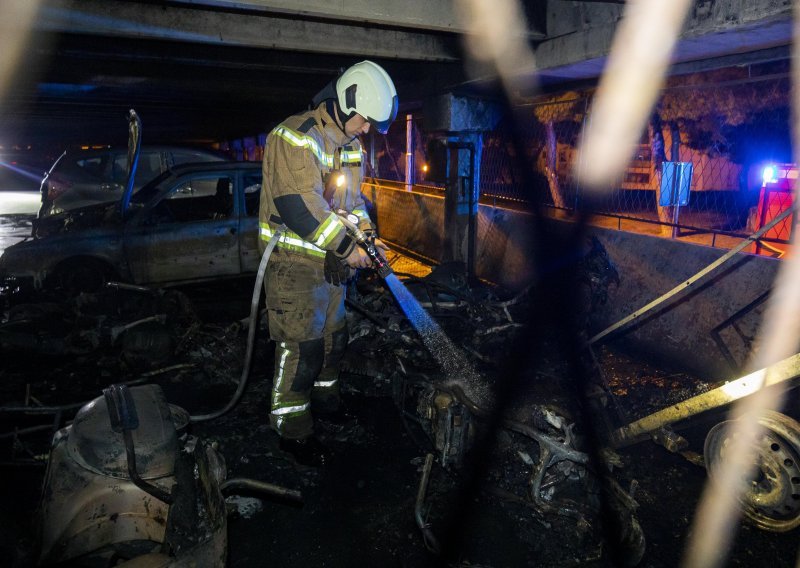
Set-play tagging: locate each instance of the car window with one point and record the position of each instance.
(149, 166)
(252, 192)
(95, 166)
(198, 199)
(119, 170)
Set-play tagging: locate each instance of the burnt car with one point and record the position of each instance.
(87, 176)
(194, 222)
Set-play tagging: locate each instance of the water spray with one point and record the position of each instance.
(467, 383)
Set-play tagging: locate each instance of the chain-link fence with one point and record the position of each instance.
(390, 161)
(550, 133)
(727, 128)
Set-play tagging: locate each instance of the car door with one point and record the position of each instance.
(190, 234)
(248, 225)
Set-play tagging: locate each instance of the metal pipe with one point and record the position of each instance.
(537, 475)
(427, 534)
(687, 283)
(37, 410)
(557, 449)
(149, 488)
(22, 463)
(238, 483)
(409, 152)
(119, 330)
(41, 409)
(130, 287)
(780, 372)
(29, 430)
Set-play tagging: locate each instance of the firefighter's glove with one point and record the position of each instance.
(336, 272)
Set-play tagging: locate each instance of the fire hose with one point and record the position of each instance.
(251, 331)
(366, 242)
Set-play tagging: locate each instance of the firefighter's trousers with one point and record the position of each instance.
(307, 322)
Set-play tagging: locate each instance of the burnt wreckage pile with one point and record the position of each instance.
(533, 460)
(124, 477)
(539, 465)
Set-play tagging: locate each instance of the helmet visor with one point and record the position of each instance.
(382, 126)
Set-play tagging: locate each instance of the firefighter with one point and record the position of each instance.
(312, 175)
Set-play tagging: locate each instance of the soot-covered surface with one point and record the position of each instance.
(359, 509)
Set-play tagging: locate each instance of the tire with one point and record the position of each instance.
(82, 275)
(770, 496)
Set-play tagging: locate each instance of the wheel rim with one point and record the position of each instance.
(771, 498)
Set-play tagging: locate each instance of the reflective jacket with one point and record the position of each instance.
(300, 154)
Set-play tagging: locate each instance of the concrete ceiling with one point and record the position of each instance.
(210, 70)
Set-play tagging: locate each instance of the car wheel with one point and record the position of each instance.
(87, 275)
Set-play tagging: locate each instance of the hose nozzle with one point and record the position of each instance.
(368, 244)
(378, 263)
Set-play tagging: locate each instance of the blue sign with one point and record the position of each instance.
(676, 179)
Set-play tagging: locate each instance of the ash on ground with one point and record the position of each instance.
(522, 484)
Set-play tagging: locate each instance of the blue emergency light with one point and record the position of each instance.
(768, 175)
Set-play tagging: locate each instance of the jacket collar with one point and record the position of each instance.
(334, 131)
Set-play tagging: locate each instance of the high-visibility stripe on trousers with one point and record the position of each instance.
(307, 323)
(296, 367)
(306, 378)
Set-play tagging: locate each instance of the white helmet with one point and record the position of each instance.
(366, 89)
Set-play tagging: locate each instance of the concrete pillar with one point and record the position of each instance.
(460, 123)
(461, 198)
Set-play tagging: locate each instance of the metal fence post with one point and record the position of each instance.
(409, 153)
(580, 156)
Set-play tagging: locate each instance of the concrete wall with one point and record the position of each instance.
(677, 335)
(415, 221)
(412, 220)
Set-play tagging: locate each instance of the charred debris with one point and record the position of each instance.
(531, 457)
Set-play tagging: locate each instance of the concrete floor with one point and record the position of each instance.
(19, 202)
(359, 511)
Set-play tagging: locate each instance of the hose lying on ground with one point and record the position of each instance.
(251, 332)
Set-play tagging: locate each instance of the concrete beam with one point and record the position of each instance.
(564, 18)
(417, 14)
(148, 21)
(715, 28)
(449, 113)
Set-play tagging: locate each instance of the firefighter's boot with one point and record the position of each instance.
(306, 451)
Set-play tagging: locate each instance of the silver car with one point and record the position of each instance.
(195, 222)
(84, 177)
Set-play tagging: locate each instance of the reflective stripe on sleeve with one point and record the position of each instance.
(325, 384)
(304, 141)
(327, 230)
(351, 156)
(291, 241)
